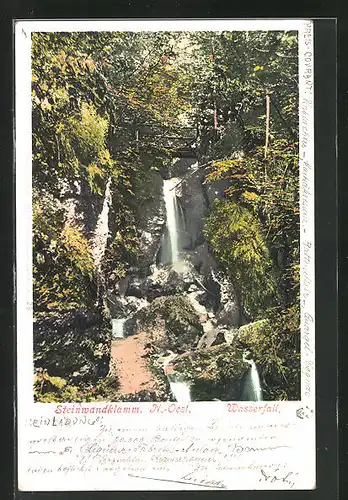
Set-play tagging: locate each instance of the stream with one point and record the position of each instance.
(171, 254)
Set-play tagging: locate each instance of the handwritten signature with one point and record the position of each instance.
(190, 478)
(275, 477)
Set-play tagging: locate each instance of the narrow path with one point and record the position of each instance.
(129, 364)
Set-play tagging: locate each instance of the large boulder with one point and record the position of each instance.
(136, 286)
(255, 337)
(163, 280)
(166, 281)
(182, 324)
(214, 336)
(73, 345)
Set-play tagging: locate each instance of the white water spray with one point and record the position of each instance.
(172, 217)
(118, 327)
(181, 391)
(252, 386)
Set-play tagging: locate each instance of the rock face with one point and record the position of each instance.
(202, 260)
(216, 190)
(211, 294)
(228, 312)
(201, 292)
(190, 311)
(75, 343)
(152, 223)
(194, 206)
(75, 346)
(124, 307)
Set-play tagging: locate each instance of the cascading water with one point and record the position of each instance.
(179, 388)
(172, 217)
(117, 325)
(181, 391)
(252, 390)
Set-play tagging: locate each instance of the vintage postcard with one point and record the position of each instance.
(165, 255)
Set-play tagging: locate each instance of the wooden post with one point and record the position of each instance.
(268, 107)
(215, 117)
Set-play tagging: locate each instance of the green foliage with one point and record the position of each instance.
(238, 242)
(215, 372)
(92, 93)
(237, 70)
(63, 267)
(48, 389)
(259, 249)
(63, 88)
(103, 104)
(85, 140)
(274, 346)
(269, 188)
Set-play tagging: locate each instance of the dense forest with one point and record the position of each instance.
(136, 135)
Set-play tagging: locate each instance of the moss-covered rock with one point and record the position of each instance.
(48, 389)
(214, 373)
(182, 325)
(75, 345)
(274, 349)
(253, 335)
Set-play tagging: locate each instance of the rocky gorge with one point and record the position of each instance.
(165, 217)
(185, 308)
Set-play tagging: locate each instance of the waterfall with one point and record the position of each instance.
(118, 327)
(181, 391)
(101, 232)
(252, 386)
(179, 388)
(172, 217)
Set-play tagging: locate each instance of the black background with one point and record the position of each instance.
(330, 191)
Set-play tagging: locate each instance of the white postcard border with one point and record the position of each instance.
(300, 414)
